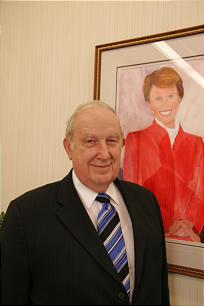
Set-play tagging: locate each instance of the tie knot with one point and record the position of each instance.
(103, 198)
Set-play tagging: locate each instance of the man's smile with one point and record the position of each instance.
(101, 166)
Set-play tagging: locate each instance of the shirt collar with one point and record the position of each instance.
(112, 192)
(172, 132)
(175, 129)
(88, 196)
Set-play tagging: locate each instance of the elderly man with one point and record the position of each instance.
(88, 239)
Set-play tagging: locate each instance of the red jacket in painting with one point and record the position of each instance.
(175, 174)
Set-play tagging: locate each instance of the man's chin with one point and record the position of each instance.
(102, 171)
(104, 178)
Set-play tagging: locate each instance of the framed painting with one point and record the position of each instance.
(156, 85)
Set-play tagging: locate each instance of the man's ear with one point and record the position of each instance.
(68, 147)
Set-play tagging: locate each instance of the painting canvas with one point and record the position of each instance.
(121, 70)
(164, 149)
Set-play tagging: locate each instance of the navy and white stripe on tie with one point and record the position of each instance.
(110, 232)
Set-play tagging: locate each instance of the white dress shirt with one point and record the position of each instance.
(93, 207)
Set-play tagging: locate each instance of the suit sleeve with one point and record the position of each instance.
(15, 276)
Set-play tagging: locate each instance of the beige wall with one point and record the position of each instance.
(46, 69)
(47, 64)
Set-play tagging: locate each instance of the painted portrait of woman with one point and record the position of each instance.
(166, 158)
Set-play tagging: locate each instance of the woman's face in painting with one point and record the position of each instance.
(164, 104)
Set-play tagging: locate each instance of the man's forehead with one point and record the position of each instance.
(105, 132)
(96, 122)
(96, 132)
(97, 117)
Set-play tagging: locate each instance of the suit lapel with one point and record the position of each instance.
(74, 217)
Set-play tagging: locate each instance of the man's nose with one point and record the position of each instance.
(103, 150)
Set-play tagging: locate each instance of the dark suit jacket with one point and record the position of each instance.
(51, 253)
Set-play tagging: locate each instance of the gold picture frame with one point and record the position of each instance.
(184, 257)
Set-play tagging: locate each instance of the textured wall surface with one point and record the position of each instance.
(46, 69)
(47, 66)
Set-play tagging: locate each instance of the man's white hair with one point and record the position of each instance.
(88, 105)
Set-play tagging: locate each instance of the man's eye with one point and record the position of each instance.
(112, 140)
(90, 141)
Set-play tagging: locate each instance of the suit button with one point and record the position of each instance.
(121, 295)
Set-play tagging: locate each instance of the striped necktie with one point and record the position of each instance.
(110, 232)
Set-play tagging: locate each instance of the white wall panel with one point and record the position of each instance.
(185, 290)
(46, 70)
(47, 64)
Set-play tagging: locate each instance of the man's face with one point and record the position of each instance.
(95, 148)
(164, 103)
